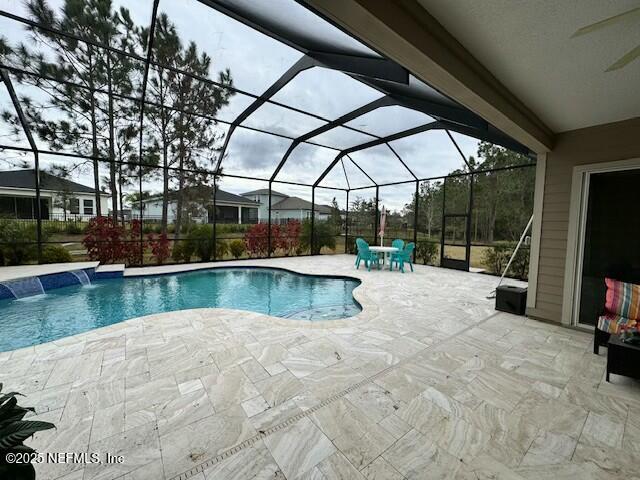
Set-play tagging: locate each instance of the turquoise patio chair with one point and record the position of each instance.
(367, 255)
(358, 252)
(402, 257)
(398, 243)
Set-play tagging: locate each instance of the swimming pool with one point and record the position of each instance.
(74, 309)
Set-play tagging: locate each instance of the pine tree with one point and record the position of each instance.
(81, 114)
(181, 111)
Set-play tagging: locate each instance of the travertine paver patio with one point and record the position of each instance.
(427, 382)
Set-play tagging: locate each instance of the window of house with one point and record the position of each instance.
(87, 207)
(7, 207)
(24, 207)
(74, 206)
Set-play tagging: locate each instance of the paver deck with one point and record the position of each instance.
(428, 381)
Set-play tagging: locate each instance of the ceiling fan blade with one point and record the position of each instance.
(625, 60)
(605, 23)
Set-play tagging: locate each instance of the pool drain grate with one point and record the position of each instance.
(291, 420)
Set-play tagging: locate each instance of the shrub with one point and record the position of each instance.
(257, 239)
(17, 241)
(72, 228)
(55, 254)
(182, 252)
(289, 239)
(48, 229)
(107, 241)
(427, 251)
(520, 265)
(232, 228)
(322, 237)
(160, 249)
(497, 257)
(132, 251)
(199, 241)
(221, 249)
(237, 248)
(103, 240)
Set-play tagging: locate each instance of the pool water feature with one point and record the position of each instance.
(74, 309)
(82, 277)
(25, 287)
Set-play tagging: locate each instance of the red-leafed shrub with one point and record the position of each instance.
(103, 240)
(257, 239)
(107, 241)
(289, 238)
(159, 247)
(134, 245)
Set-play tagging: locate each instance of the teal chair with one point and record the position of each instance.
(367, 255)
(358, 252)
(397, 243)
(402, 257)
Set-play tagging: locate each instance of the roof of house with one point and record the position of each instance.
(221, 196)
(289, 203)
(27, 179)
(264, 191)
(297, 203)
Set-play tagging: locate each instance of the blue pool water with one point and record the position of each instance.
(70, 310)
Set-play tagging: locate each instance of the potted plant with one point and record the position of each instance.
(13, 432)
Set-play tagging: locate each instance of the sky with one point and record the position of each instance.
(256, 61)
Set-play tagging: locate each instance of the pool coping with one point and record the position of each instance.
(19, 272)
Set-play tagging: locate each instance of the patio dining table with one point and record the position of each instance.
(386, 251)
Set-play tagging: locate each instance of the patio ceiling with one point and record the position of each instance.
(314, 85)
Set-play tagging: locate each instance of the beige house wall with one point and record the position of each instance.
(603, 143)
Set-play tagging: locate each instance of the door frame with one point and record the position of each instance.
(451, 262)
(575, 238)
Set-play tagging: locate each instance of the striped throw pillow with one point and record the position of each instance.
(623, 299)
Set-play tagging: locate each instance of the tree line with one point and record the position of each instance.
(502, 201)
(93, 115)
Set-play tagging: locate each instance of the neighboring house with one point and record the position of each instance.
(284, 207)
(198, 208)
(59, 198)
(261, 196)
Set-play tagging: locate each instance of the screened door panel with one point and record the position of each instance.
(455, 241)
